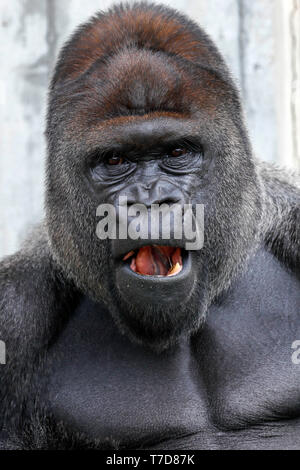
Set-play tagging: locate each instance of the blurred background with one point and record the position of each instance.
(260, 40)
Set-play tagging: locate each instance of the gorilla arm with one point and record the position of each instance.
(34, 301)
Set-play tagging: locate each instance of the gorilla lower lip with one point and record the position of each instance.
(156, 289)
(155, 260)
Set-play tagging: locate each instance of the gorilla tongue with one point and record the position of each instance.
(156, 260)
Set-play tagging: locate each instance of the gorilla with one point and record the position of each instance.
(145, 344)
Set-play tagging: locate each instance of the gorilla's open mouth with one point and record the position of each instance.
(156, 268)
(155, 260)
(155, 273)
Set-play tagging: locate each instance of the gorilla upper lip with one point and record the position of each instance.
(155, 260)
(122, 247)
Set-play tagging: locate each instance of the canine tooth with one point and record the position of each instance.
(175, 269)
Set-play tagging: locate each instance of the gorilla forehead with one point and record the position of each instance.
(139, 133)
(135, 82)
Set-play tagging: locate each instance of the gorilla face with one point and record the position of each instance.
(154, 281)
(158, 128)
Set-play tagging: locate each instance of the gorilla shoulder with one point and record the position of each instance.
(281, 190)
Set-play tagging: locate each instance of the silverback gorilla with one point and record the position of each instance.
(106, 349)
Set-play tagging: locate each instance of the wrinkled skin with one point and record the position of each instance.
(111, 353)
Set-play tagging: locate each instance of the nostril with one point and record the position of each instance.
(149, 193)
(131, 202)
(169, 201)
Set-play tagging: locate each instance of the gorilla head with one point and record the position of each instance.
(142, 105)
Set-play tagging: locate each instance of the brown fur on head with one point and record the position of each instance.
(141, 58)
(142, 25)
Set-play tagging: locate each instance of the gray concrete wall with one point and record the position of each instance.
(259, 38)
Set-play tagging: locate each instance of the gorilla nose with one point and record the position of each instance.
(158, 193)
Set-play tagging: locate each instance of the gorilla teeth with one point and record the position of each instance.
(175, 270)
(155, 260)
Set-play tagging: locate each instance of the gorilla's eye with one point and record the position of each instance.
(178, 152)
(115, 160)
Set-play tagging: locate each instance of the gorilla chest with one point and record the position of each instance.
(110, 389)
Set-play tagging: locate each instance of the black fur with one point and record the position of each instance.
(133, 63)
